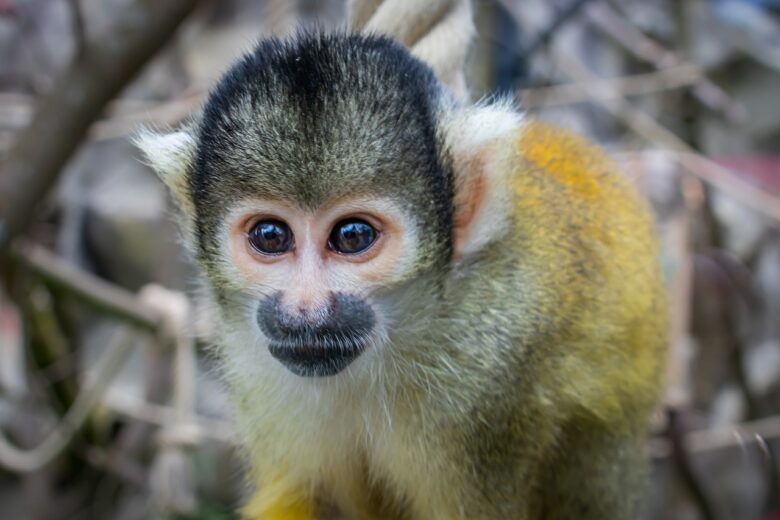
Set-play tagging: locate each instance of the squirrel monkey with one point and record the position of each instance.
(426, 309)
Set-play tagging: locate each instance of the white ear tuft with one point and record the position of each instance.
(471, 128)
(481, 140)
(170, 156)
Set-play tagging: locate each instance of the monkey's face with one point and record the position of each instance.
(312, 274)
(317, 184)
(317, 190)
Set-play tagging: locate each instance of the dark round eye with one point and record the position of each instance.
(352, 236)
(271, 237)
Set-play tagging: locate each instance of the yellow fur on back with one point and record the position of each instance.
(584, 193)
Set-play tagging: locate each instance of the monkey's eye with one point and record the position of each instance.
(271, 237)
(352, 236)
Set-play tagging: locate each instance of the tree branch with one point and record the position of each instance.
(77, 98)
(79, 26)
(102, 295)
(560, 19)
(607, 88)
(616, 26)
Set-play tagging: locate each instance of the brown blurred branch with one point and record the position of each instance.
(616, 26)
(608, 88)
(107, 297)
(28, 460)
(565, 15)
(680, 295)
(713, 439)
(646, 126)
(77, 98)
(719, 177)
(684, 467)
(123, 116)
(79, 26)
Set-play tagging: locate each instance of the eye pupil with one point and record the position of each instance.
(271, 237)
(352, 236)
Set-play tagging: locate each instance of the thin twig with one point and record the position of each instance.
(35, 458)
(105, 296)
(79, 26)
(566, 15)
(123, 116)
(160, 415)
(76, 99)
(682, 460)
(609, 88)
(616, 26)
(720, 177)
(647, 127)
(680, 296)
(738, 435)
(176, 311)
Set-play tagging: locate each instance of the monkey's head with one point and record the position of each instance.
(326, 177)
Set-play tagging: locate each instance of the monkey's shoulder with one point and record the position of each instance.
(558, 173)
(583, 224)
(584, 227)
(569, 160)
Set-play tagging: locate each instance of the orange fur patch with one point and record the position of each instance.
(564, 156)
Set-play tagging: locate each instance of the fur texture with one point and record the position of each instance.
(519, 349)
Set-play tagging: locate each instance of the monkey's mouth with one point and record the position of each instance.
(317, 359)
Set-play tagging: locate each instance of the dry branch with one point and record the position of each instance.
(646, 126)
(609, 88)
(565, 15)
(615, 25)
(28, 460)
(124, 116)
(79, 26)
(77, 98)
(102, 295)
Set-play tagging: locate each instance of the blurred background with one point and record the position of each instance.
(109, 404)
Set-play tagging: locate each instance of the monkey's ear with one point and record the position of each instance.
(171, 157)
(482, 142)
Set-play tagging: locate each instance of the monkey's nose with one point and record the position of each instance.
(318, 344)
(278, 321)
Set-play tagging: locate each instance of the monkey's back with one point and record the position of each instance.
(582, 225)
